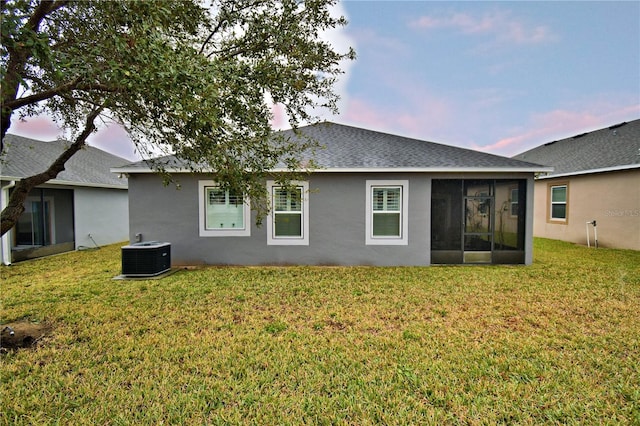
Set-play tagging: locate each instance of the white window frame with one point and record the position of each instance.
(303, 240)
(403, 238)
(554, 203)
(513, 202)
(245, 231)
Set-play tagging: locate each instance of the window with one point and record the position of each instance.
(288, 221)
(222, 213)
(34, 226)
(386, 221)
(558, 196)
(514, 202)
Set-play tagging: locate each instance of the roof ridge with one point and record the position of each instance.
(404, 137)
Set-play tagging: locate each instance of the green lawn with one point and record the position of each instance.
(557, 342)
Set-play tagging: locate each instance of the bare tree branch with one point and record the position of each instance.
(60, 91)
(45, 94)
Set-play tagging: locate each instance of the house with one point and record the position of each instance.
(374, 199)
(84, 207)
(596, 181)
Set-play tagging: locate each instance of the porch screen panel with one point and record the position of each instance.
(446, 214)
(511, 198)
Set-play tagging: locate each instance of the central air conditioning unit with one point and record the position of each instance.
(146, 259)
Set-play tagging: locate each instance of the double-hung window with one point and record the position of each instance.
(513, 200)
(558, 205)
(222, 213)
(288, 221)
(387, 209)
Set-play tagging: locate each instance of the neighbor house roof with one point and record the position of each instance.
(352, 149)
(609, 149)
(24, 157)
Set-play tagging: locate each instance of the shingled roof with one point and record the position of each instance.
(90, 166)
(612, 148)
(347, 148)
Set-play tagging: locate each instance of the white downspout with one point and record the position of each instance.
(595, 233)
(5, 246)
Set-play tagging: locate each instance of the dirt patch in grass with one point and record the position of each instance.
(22, 334)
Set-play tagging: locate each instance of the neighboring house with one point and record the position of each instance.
(596, 177)
(375, 199)
(85, 206)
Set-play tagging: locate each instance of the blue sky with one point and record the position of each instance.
(500, 77)
(496, 76)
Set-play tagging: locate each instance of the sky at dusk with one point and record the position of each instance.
(500, 77)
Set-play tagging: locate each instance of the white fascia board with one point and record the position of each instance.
(86, 184)
(70, 183)
(133, 170)
(431, 170)
(592, 171)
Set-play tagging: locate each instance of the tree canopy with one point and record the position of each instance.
(196, 79)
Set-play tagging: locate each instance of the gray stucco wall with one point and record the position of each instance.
(103, 213)
(337, 223)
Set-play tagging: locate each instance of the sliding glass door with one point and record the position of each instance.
(34, 227)
(46, 226)
(478, 228)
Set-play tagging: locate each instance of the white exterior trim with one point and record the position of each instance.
(540, 169)
(5, 240)
(558, 203)
(69, 183)
(289, 241)
(245, 231)
(403, 240)
(587, 172)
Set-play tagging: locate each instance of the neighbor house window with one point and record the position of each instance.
(558, 205)
(222, 213)
(288, 221)
(387, 206)
(514, 201)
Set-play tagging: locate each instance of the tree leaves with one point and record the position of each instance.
(196, 80)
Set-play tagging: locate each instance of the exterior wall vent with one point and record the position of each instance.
(146, 259)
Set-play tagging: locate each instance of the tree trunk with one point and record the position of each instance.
(15, 206)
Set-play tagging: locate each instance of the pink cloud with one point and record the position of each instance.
(428, 119)
(500, 24)
(361, 112)
(113, 138)
(38, 127)
(278, 117)
(110, 137)
(560, 124)
(422, 113)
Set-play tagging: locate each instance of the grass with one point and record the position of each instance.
(557, 342)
